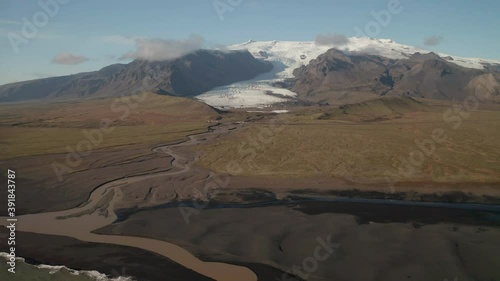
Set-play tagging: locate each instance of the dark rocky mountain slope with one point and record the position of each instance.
(189, 75)
(341, 78)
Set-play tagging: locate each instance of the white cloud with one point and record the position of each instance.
(160, 49)
(433, 40)
(331, 39)
(69, 59)
(364, 51)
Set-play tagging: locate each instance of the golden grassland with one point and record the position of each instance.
(45, 128)
(368, 142)
(365, 142)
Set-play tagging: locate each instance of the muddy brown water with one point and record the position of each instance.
(99, 211)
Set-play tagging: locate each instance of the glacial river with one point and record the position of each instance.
(99, 211)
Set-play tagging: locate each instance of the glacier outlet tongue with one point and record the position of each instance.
(250, 93)
(285, 57)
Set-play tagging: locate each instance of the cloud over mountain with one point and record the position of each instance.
(331, 39)
(68, 59)
(161, 49)
(433, 40)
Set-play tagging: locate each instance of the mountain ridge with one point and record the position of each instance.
(368, 67)
(334, 75)
(189, 75)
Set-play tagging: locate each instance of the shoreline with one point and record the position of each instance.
(125, 261)
(112, 260)
(55, 269)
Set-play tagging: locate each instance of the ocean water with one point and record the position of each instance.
(27, 272)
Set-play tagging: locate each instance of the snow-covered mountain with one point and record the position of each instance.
(289, 55)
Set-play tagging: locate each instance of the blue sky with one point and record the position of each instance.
(88, 35)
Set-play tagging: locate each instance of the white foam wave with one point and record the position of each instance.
(56, 268)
